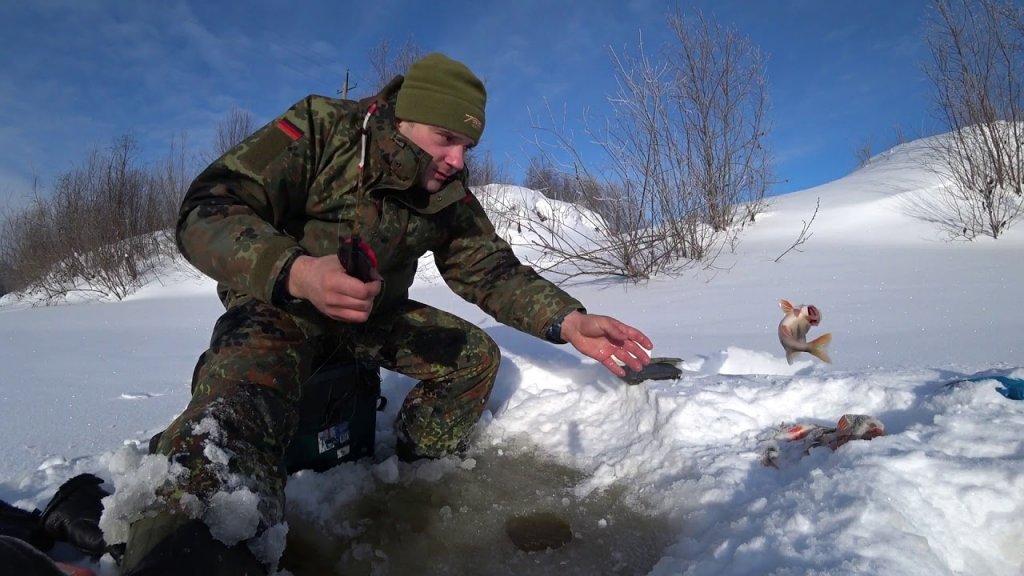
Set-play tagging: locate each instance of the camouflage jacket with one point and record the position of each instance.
(292, 188)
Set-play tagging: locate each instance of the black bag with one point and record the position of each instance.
(337, 417)
(24, 525)
(19, 557)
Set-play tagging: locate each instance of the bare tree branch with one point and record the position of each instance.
(805, 233)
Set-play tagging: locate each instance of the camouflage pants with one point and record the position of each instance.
(247, 386)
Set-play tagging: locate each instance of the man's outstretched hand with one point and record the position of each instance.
(604, 339)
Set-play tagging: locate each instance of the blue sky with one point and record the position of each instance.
(79, 73)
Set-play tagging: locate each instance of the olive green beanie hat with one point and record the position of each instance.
(443, 92)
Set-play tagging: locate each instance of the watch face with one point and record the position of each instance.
(554, 331)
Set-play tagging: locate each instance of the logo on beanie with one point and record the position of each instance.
(473, 121)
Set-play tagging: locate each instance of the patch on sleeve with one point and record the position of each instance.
(262, 150)
(291, 130)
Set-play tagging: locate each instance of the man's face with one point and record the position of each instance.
(447, 151)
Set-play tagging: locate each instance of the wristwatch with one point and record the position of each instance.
(554, 330)
(281, 297)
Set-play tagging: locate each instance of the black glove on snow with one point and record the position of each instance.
(73, 515)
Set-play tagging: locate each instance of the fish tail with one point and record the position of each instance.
(819, 347)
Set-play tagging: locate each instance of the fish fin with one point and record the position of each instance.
(790, 355)
(844, 423)
(819, 347)
(785, 305)
(797, 431)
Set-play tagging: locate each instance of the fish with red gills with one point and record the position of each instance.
(793, 331)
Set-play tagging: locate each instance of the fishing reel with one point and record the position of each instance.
(357, 258)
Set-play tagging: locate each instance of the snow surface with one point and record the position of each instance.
(83, 386)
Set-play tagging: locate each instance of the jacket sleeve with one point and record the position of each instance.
(232, 222)
(480, 267)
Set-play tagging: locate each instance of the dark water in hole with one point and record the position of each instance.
(457, 526)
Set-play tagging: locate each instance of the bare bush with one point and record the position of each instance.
(236, 126)
(102, 229)
(483, 169)
(542, 176)
(567, 186)
(899, 135)
(572, 240)
(685, 152)
(171, 177)
(862, 154)
(721, 95)
(20, 255)
(977, 68)
(386, 63)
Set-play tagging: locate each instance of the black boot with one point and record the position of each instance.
(406, 451)
(171, 545)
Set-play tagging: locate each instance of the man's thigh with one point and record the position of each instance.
(427, 344)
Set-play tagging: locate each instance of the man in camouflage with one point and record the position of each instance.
(265, 221)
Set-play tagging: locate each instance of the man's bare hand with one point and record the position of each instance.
(323, 282)
(604, 339)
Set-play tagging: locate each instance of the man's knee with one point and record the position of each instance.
(253, 423)
(482, 355)
(438, 415)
